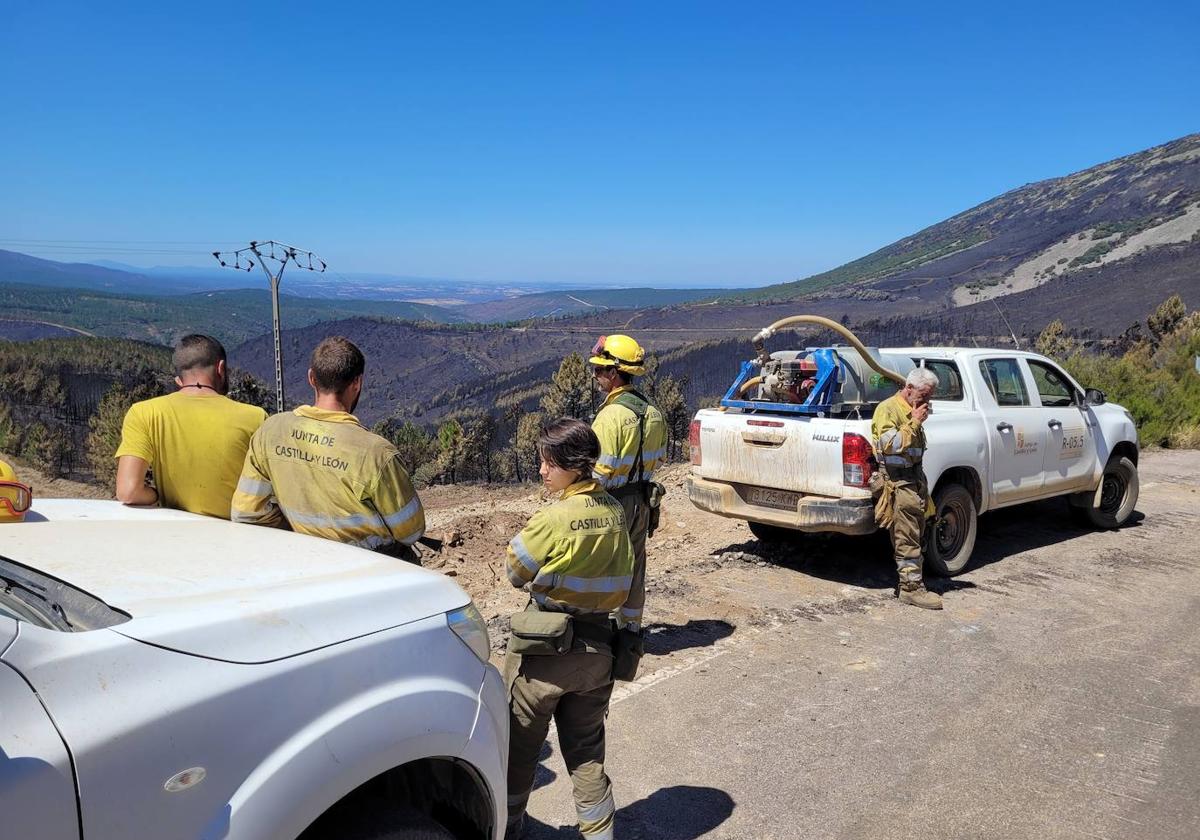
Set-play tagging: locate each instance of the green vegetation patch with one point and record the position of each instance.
(1152, 374)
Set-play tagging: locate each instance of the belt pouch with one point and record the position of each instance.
(537, 633)
(654, 500)
(628, 648)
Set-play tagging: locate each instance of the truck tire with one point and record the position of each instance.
(1118, 496)
(950, 539)
(773, 534)
(388, 823)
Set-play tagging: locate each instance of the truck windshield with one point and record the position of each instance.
(30, 596)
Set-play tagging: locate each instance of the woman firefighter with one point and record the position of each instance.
(575, 559)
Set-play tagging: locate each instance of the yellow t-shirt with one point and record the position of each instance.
(195, 445)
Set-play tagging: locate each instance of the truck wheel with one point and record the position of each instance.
(950, 540)
(773, 534)
(397, 823)
(1117, 497)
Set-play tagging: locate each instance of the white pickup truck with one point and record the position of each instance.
(1007, 427)
(168, 676)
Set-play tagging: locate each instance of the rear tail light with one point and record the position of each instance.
(857, 458)
(694, 442)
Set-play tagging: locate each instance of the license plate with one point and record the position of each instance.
(767, 497)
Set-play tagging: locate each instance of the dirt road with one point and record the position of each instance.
(1057, 696)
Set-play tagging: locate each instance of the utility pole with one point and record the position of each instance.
(281, 254)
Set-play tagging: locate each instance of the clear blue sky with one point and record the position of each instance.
(664, 143)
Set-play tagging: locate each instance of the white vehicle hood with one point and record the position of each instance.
(212, 588)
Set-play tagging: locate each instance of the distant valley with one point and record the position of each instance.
(1098, 249)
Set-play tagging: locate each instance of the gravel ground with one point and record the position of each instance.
(1056, 696)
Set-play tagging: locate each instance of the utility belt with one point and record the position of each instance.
(537, 632)
(633, 488)
(904, 472)
(650, 492)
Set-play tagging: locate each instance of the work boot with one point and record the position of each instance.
(917, 595)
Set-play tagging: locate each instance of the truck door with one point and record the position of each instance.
(1017, 438)
(1070, 458)
(37, 788)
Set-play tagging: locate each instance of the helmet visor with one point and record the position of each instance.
(15, 496)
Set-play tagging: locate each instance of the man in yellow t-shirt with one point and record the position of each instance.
(194, 440)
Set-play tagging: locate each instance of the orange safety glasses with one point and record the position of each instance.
(15, 496)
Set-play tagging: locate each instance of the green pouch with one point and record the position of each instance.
(628, 649)
(537, 633)
(654, 503)
(655, 496)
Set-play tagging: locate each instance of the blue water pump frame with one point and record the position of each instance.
(820, 399)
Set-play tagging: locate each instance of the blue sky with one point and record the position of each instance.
(639, 143)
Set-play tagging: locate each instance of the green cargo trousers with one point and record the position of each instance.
(574, 690)
(908, 524)
(637, 520)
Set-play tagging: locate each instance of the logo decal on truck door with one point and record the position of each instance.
(1025, 445)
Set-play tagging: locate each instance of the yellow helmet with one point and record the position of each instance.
(621, 352)
(15, 497)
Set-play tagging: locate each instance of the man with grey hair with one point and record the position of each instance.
(902, 502)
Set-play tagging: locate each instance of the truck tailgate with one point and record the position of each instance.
(797, 454)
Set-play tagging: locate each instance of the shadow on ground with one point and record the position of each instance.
(662, 639)
(866, 561)
(682, 812)
(543, 775)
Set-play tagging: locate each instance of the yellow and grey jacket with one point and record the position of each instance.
(617, 425)
(899, 443)
(899, 440)
(575, 555)
(323, 474)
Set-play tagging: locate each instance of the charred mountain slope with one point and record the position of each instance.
(1080, 225)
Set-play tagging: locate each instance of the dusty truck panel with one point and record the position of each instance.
(783, 471)
(1008, 426)
(786, 453)
(219, 578)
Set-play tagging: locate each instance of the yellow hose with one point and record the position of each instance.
(760, 340)
(748, 384)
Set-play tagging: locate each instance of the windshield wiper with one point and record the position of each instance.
(36, 599)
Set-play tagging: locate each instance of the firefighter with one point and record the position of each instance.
(633, 444)
(318, 471)
(574, 558)
(194, 440)
(903, 504)
(15, 496)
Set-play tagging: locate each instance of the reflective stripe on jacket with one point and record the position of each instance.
(323, 474)
(617, 428)
(575, 555)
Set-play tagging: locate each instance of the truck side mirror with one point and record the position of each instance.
(1094, 396)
